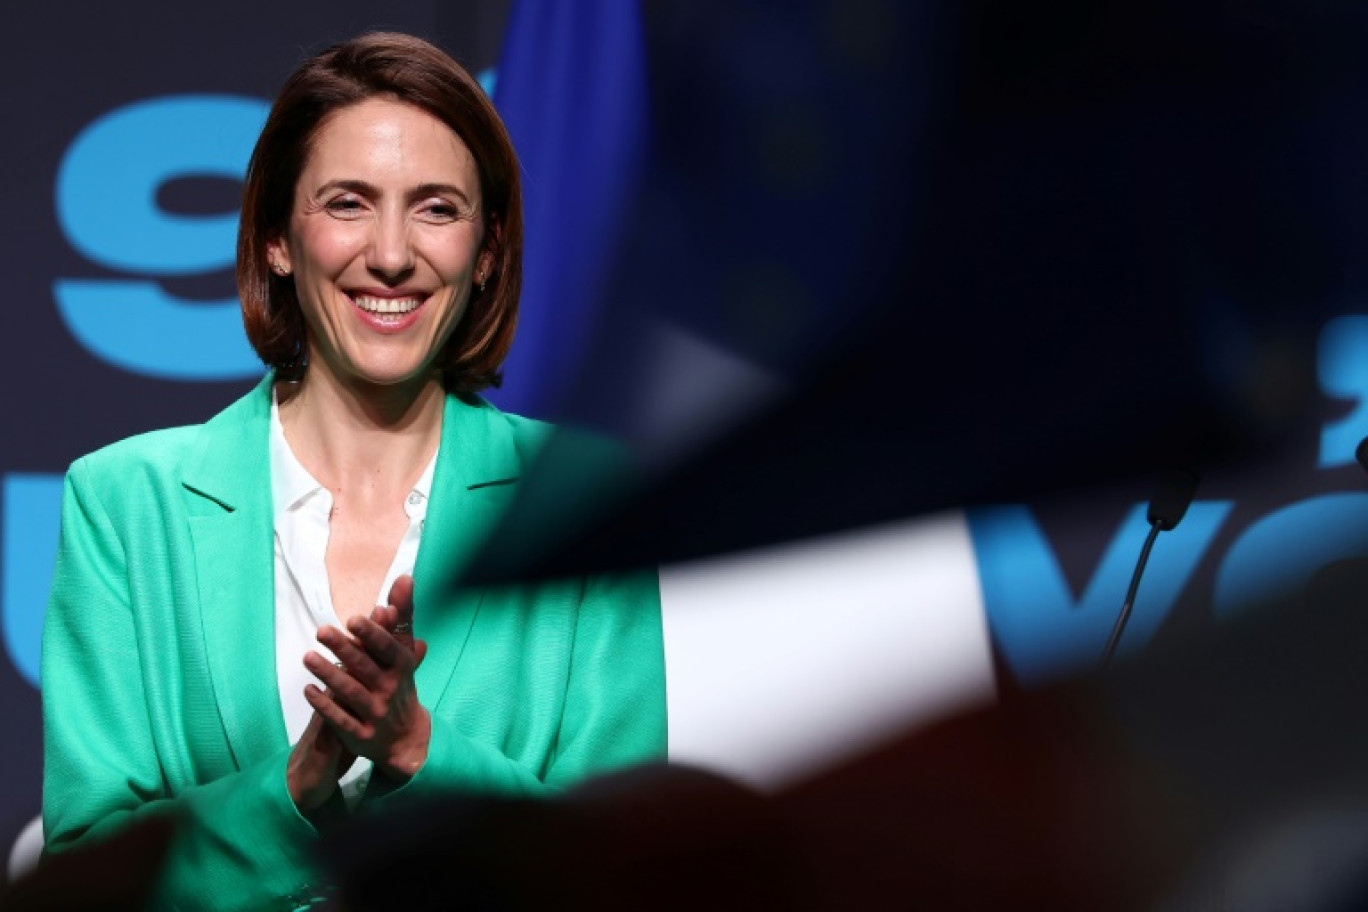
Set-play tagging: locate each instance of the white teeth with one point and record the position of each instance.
(387, 305)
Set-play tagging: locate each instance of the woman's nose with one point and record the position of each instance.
(390, 254)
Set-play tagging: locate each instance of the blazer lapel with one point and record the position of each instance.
(471, 487)
(228, 483)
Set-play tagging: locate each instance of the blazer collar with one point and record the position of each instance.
(228, 477)
(230, 463)
(231, 466)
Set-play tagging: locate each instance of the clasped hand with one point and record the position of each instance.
(370, 706)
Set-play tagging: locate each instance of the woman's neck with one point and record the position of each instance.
(358, 438)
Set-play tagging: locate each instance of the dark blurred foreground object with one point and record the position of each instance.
(1183, 778)
(893, 257)
(646, 838)
(116, 874)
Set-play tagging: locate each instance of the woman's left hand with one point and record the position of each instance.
(371, 701)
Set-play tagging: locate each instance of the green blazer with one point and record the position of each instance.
(158, 664)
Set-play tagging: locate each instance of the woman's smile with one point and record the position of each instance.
(388, 314)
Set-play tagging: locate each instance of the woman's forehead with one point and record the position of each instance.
(389, 143)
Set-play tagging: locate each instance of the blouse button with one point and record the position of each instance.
(415, 498)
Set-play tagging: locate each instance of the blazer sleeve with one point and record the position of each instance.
(615, 698)
(614, 708)
(240, 839)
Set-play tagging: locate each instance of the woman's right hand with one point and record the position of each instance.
(317, 761)
(371, 701)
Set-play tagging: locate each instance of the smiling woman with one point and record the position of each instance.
(257, 623)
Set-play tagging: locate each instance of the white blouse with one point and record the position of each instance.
(303, 598)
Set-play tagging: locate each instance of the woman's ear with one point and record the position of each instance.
(489, 251)
(278, 256)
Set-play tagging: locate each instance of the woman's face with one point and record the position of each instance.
(384, 242)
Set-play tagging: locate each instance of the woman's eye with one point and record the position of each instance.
(344, 207)
(440, 212)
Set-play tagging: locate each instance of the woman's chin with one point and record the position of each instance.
(383, 373)
(393, 381)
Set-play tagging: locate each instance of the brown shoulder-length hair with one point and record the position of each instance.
(413, 71)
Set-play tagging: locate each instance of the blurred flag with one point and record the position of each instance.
(572, 89)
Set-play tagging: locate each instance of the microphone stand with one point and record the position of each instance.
(1166, 509)
(1120, 625)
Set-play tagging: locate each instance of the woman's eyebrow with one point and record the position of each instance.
(349, 185)
(439, 189)
(352, 185)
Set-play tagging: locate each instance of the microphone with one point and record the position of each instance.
(1172, 498)
(1166, 509)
